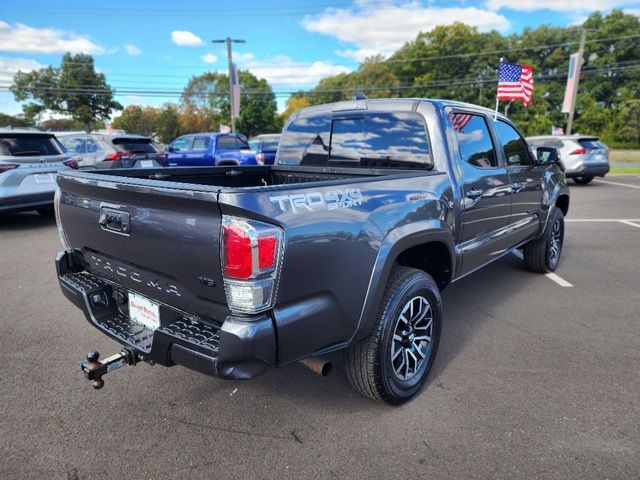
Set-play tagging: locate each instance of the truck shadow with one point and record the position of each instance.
(24, 221)
(468, 305)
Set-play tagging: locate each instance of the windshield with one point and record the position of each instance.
(28, 145)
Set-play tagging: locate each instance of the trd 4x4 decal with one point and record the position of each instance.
(332, 199)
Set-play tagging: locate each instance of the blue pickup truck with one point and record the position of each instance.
(210, 149)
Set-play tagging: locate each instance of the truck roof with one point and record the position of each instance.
(391, 104)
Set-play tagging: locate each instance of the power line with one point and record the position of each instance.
(389, 60)
(609, 66)
(439, 83)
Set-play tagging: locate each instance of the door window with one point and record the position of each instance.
(474, 139)
(201, 143)
(181, 144)
(515, 148)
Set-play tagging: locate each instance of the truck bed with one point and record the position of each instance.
(243, 177)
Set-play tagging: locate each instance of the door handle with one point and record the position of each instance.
(475, 192)
(517, 186)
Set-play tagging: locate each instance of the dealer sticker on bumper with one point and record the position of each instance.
(144, 311)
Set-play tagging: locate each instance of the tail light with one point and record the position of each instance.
(260, 157)
(5, 167)
(119, 156)
(251, 258)
(71, 163)
(580, 151)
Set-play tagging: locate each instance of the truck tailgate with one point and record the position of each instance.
(160, 241)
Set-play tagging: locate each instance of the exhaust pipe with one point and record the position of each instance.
(317, 365)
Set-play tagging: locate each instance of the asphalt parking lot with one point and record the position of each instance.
(532, 380)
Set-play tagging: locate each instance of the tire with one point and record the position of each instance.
(582, 180)
(46, 211)
(543, 254)
(374, 365)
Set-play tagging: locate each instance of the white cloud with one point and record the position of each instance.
(209, 58)
(383, 29)
(10, 66)
(359, 55)
(23, 38)
(132, 50)
(632, 11)
(243, 57)
(283, 71)
(559, 6)
(184, 38)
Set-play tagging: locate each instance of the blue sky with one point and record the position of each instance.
(148, 47)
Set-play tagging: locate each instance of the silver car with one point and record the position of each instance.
(93, 150)
(582, 156)
(29, 162)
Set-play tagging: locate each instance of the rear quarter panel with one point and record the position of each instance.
(333, 247)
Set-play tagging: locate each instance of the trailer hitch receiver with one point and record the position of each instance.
(94, 369)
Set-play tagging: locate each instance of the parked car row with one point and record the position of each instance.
(30, 160)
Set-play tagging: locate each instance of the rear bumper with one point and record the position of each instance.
(25, 202)
(239, 348)
(588, 170)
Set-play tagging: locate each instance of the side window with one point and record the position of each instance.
(226, 142)
(74, 144)
(200, 143)
(305, 142)
(380, 140)
(92, 146)
(515, 148)
(241, 144)
(474, 139)
(181, 144)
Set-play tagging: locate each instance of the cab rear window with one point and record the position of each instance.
(28, 146)
(371, 140)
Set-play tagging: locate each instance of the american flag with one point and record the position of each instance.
(459, 120)
(515, 82)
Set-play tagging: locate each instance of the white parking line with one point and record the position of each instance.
(602, 220)
(628, 222)
(619, 184)
(551, 276)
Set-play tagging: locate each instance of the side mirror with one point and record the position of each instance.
(169, 148)
(547, 155)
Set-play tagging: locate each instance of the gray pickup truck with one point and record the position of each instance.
(370, 210)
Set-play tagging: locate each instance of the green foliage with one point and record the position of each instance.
(137, 119)
(210, 91)
(431, 66)
(15, 121)
(75, 89)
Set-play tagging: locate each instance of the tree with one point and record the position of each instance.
(257, 102)
(15, 121)
(74, 89)
(137, 119)
(295, 103)
(168, 123)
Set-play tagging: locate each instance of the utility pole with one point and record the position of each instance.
(578, 67)
(229, 41)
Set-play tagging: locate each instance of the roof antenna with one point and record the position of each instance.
(358, 95)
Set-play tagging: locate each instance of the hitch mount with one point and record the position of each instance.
(94, 369)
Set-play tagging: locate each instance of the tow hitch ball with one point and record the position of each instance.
(94, 369)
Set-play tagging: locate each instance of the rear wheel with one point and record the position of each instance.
(582, 180)
(392, 363)
(543, 254)
(46, 211)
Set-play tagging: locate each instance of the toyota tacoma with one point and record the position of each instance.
(371, 209)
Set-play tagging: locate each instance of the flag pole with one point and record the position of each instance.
(495, 116)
